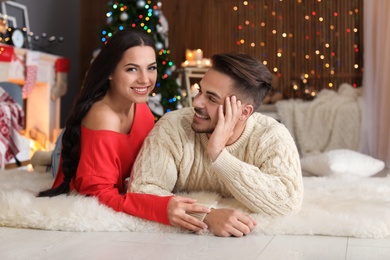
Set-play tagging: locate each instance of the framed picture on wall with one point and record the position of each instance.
(19, 12)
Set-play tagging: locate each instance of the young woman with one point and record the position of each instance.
(106, 129)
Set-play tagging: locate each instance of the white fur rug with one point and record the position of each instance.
(336, 206)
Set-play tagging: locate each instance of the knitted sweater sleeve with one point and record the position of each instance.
(272, 182)
(155, 169)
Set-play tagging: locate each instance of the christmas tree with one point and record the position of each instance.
(148, 16)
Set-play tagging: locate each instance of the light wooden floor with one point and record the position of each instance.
(39, 244)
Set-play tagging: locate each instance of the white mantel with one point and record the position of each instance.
(42, 112)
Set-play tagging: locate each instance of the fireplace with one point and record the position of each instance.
(42, 112)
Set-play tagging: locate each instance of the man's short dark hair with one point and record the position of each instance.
(252, 79)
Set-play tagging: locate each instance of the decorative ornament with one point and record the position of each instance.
(159, 46)
(163, 27)
(179, 106)
(168, 71)
(156, 13)
(154, 103)
(159, 5)
(140, 4)
(45, 43)
(124, 16)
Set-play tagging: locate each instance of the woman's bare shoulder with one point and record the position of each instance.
(101, 117)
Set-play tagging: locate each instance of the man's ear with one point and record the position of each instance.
(247, 110)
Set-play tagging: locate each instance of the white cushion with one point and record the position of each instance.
(342, 161)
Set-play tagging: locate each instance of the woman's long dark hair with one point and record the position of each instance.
(95, 87)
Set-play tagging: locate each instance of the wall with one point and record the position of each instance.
(212, 25)
(205, 24)
(59, 18)
(319, 40)
(91, 20)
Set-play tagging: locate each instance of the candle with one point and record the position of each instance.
(206, 62)
(198, 54)
(185, 63)
(189, 55)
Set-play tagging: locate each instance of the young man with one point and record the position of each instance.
(221, 145)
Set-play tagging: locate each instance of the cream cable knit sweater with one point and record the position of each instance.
(261, 169)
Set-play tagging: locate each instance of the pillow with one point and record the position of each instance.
(342, 162)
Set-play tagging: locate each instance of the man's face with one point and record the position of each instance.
(213, 89)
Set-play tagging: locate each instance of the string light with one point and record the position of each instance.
(311, 42)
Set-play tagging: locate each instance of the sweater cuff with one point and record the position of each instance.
(201, 216)
(151, 207)
(226, 163)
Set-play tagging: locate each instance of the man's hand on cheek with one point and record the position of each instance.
(224, 129)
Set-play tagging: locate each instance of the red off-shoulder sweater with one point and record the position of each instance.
(106, 159)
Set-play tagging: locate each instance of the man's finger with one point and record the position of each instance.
(247, 221)
(221, 116)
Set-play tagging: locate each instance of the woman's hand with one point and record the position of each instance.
(178, 207)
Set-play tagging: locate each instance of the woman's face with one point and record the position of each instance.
(135, 75)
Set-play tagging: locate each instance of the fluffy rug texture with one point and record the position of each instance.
(333, 205)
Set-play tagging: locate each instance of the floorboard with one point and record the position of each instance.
(39, 244)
